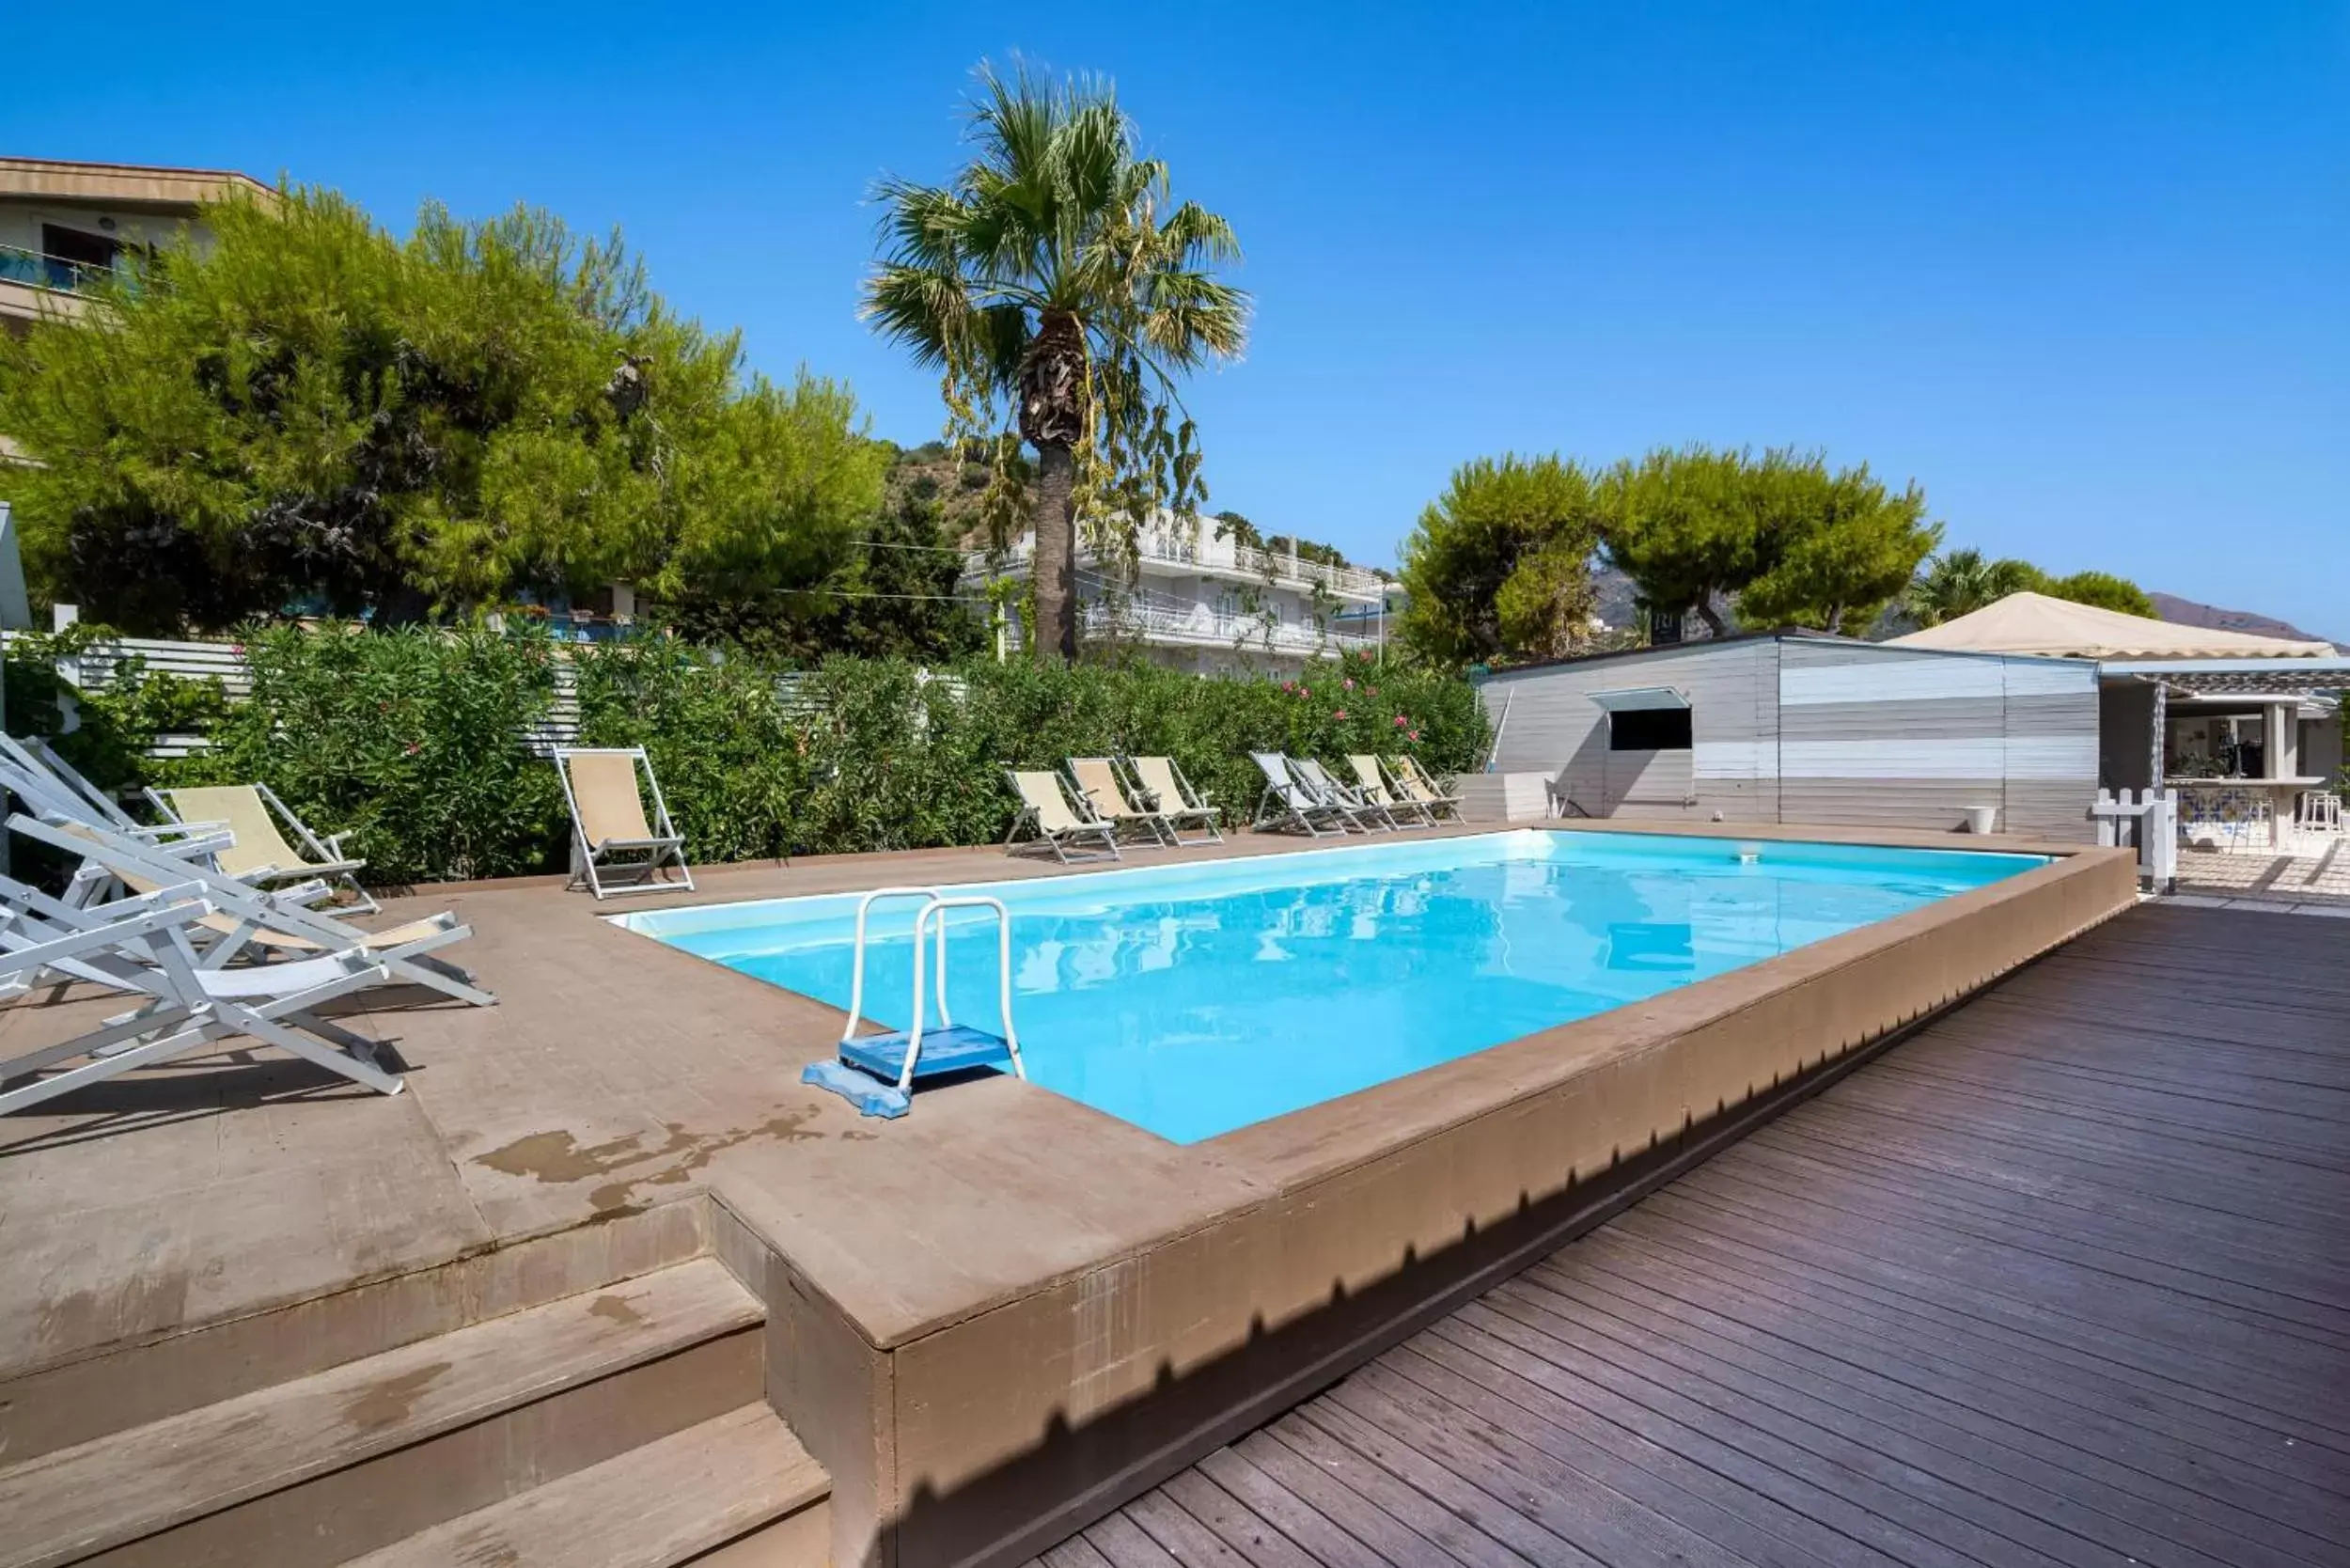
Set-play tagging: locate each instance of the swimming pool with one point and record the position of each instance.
(1194, 998)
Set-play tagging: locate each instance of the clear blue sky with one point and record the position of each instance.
(2081, 269)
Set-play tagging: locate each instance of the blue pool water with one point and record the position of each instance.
(1192, 999)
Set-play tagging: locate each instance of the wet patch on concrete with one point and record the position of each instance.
(614, 1309)
(557, 1157)
(387, 1404)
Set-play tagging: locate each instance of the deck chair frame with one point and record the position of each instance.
(146, 953)
(1372, 784)
(247, 924)
(1084, 823)
(1414, 784)
(1143, 815)
(1362, 812)
(1287, 804)
(328, 861)
(1189, 805)
(642, 859)
(30, 767)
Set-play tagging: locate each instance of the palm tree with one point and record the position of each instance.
(1054, 280)
(1960, 582)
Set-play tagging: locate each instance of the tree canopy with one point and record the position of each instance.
(1060, 291)
(1791, 541)
(1499, 564)
(314, 413)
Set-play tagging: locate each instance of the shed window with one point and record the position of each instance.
(1649, 729)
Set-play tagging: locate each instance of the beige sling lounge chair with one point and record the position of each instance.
(611, 837)
(260, 855)
(1161, 785)
(1058, 822)
(1373, 785)
(1098, 784)
(1412, 780)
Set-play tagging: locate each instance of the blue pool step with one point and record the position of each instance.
(954, 1048)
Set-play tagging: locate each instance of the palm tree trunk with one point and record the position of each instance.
(1054, 570)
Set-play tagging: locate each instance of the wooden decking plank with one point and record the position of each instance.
(1122, 1541)
(1436, 1488)
(2217, 1424)
(2125, 1213)
(1075, 1552)
(1853, 1500)
(2286, 1201)
(2150, 1459)
(1890, 1393)
(2065, 1320)
(1419, 1492)
(2065, 1278)
(1922, 1201)
(1235, 1524)
(1757, 1529)
(1612, 1526)
(1959, 1478)
(1311, 1464)
(1321, 1538)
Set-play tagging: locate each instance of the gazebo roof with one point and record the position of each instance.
(2036, 623)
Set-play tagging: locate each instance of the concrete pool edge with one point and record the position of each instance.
(987, 1433)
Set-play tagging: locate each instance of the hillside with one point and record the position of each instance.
(2188, 612)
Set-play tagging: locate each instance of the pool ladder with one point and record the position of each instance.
(903, 1056)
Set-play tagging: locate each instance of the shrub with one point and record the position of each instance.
(414, 740)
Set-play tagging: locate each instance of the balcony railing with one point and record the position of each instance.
(1181, 549)
(18, 265)
(1202, 626)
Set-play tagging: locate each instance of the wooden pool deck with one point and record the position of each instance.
(2062, 1279)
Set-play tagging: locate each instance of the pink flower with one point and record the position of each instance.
(1412, 736)
(1399, 721)
(1340, 714)
(412, 748)
(1305, 691)
(237, 648)
(1350, 682)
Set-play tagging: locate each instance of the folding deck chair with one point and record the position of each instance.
(1412, 781)
(47, 782)
(1366, 814)
(259, 853)
(1372, 786)
(1097, 783)
(1288, 804)
(1161, 785)
(242, 923)
(1058, 820)
(609, 831)
(140, 946)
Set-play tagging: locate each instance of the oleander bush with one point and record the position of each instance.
(415, 739)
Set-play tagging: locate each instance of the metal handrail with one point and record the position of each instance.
(856, 972)
(1003, 964)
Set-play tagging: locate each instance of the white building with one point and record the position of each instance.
(62, 224)
(1210, 603)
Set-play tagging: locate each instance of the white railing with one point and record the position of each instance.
(1180, 548)
(93, 669)
(2149, 822)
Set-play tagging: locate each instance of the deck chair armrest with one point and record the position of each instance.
(666, 841)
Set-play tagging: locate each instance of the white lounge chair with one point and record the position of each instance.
(1096, 781)
(140, 946)
(1288, 804)
(610, 833)
(242, 923)
(1160, 784)
(1364, 813)
(44, 781)
(1408, 777)
(1060, 820)
(259, 853)
(1372, 786)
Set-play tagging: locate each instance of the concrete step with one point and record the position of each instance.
(738, 1486)
(87, 1394)
(331, 1466)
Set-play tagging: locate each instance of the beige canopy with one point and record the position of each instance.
(2035, 624)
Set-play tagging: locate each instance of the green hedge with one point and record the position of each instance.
(411, 739)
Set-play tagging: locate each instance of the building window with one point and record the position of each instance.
(1649, 729)
(69, 253)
